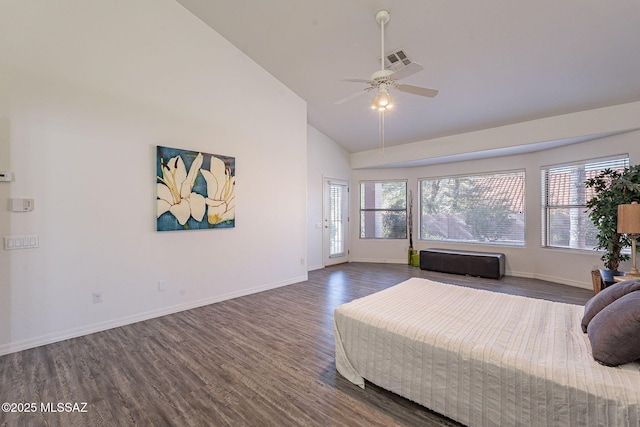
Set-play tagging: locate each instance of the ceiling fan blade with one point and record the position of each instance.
(407, 71)
(349, 79)
(417, 90)
(350, 97)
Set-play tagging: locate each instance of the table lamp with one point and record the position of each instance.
(629, 223)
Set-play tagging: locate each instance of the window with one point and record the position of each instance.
(486, 208)
(383, 210)
(565, 219)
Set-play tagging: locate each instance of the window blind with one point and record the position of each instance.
(383, 210)
(565, 219)
(487, 208)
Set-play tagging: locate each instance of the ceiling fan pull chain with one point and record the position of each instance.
(381, 131)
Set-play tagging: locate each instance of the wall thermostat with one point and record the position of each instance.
(20, 205)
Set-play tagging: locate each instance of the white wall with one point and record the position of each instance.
(87, 89)
(561, 266)
(325, 159)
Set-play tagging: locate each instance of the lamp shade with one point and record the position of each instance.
(629, 218)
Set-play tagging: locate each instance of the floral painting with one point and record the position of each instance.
(194, 190)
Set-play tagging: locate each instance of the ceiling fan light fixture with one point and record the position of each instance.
(382, 101)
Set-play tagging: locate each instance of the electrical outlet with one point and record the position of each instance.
(97, 297)
(162, 285)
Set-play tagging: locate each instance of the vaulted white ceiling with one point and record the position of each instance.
(495, 62)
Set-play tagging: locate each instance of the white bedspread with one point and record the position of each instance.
(483, 358)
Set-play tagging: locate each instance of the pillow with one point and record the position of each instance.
(606, 297)
(614, 333)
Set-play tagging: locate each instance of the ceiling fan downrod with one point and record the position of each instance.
(382, 17)
(382, 101)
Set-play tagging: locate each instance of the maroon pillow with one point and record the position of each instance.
(606, 297)
(614, 333)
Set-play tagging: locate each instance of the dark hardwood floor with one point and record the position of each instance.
(265, 359)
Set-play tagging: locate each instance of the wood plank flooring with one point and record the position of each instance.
(261, 360)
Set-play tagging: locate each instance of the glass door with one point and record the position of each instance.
(336, 222)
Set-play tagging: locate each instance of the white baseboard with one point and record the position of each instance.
(26, 344)
(563, 281)
(381, 261)
(546, 277)
(519, 274)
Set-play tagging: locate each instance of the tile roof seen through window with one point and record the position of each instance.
(508, 187)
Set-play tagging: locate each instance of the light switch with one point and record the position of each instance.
(8, 243)
(21, 242)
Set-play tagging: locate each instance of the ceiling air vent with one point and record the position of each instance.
(396, 60)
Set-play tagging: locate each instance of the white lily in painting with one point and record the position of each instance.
(220, 192)
(175, 193)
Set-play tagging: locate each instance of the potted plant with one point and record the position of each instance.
(612, 188)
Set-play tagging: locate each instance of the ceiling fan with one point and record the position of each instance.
(384, 79)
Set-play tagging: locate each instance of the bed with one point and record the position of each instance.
(483, 358)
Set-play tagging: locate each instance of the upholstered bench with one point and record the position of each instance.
(480, 264)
